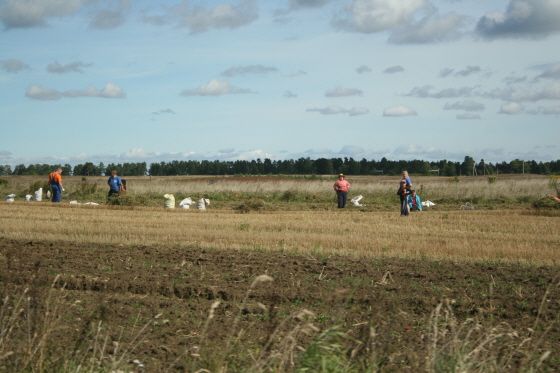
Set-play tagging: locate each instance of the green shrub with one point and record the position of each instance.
(247, 206)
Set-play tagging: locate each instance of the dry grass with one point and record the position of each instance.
(464, 188)
(473, 236)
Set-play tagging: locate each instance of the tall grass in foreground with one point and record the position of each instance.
(472, 236)
(297, 344)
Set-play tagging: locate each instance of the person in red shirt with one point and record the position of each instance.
(341, 187)
(55, 179)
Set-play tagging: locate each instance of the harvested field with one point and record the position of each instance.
(144, 289)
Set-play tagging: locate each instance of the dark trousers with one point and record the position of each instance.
(56, 191)
(404, 206)
(342, 197)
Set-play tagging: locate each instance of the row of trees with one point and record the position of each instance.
(301, 166)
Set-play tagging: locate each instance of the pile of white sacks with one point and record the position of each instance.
(186, 203)
(37, 196)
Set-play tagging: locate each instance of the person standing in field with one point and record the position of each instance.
(55, 180)
(115, 184)
(407, 179)
(341, 187)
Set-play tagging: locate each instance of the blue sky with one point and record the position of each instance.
(132, 81)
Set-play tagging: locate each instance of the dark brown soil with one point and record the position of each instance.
(124, 287)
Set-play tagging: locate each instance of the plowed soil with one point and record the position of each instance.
(122, 288)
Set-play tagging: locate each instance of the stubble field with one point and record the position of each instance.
(287, 285)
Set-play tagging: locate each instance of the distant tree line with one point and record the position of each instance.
(301, 166)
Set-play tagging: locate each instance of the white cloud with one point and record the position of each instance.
(358, 111)
(550, 92)
(523, 18)
(424, 92)
(363, 69)
(399, 111)
(14, 66)
(352, 150)
(551, 72)
(106, 19)
(333, 110)
(164, 111)
(253, 69)
(73, 67)
(215, 87)
(551, 110)
(429, 29)
(329, 110)
(5, 156)
(511, 108)
(138, 153)
(342, 92)
(370, 16)
(109, 91)
(445, 72)
(80, 157)
(224, 15)
(468, 116)
(37, 92)
(466, 105)
(393, 69)
(409, 149)
(34, 13)
(468, 71)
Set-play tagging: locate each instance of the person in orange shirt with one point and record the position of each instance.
(55, 179)
(341, 187)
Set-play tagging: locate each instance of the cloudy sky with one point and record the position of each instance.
(158, 80)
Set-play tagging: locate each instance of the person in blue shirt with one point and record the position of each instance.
(115, 184)
(414, 202)
(407, 179)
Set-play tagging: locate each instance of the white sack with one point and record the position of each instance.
(356, 201)
(91, 203)
(10, 198)
(38, 195)
(186, 203)
(467, 206)
(202, 203)
(169, 201)
(75, 203)
(28, 197)
(428, 204)
(48, 194)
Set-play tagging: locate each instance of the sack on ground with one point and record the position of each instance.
(169, 201)
(186, 203)
(202, 203)
(467, 206)
(38, 195)
(356, 201)
(10, 197)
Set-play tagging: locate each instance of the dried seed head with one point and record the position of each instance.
(263, 278)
